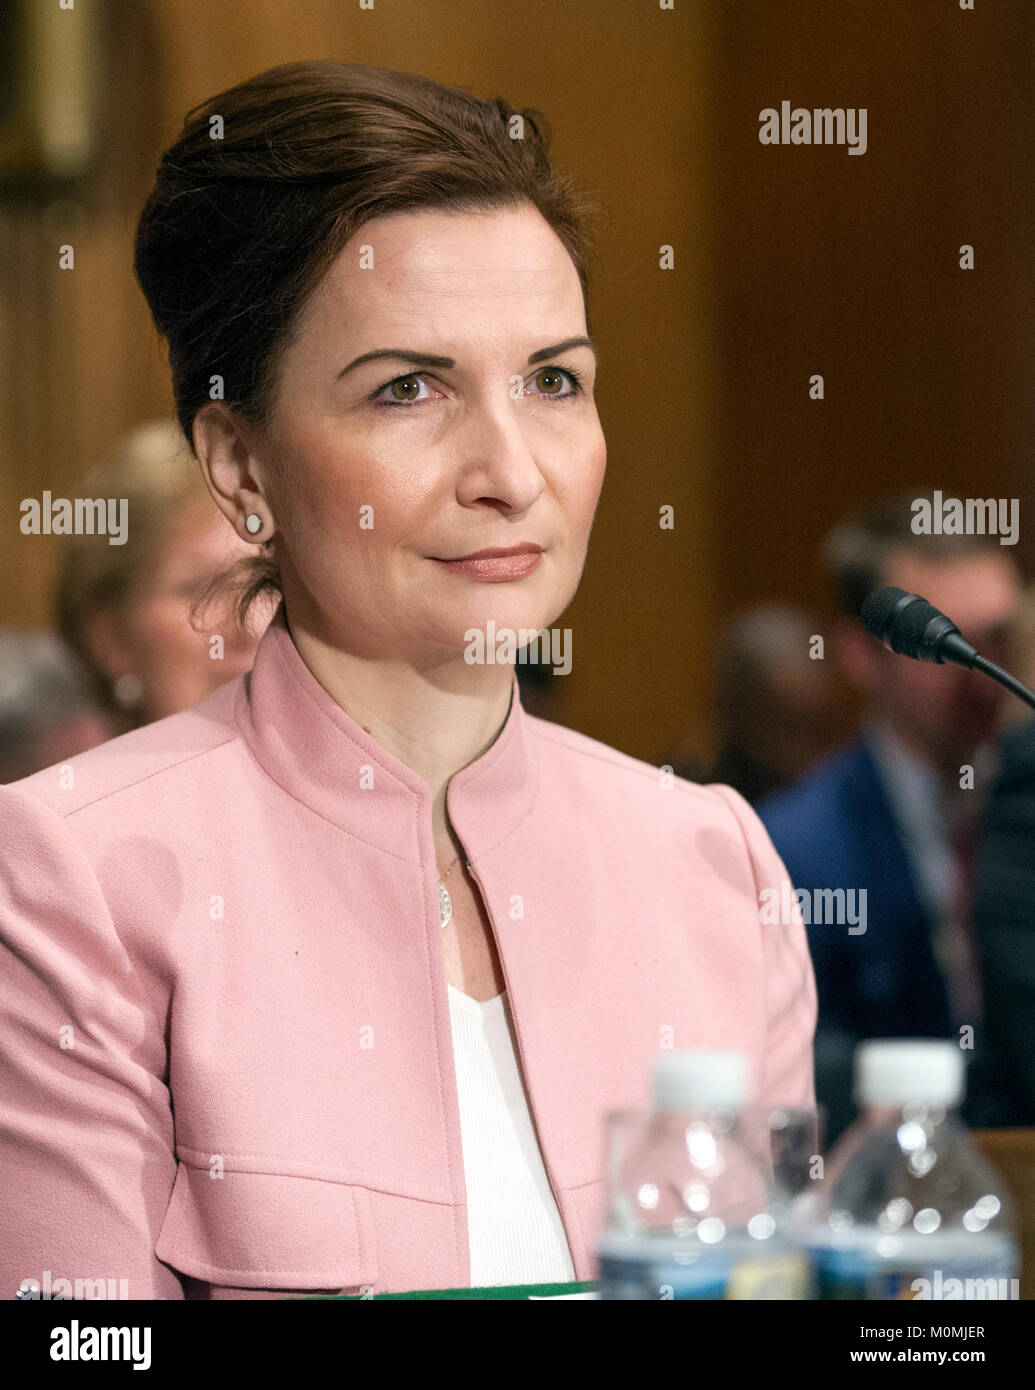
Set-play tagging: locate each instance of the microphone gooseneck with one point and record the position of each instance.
(909, 625)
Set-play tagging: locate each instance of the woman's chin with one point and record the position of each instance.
(490, 639)
(518, 618)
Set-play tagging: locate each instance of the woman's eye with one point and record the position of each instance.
(553, 380)
(403, 391)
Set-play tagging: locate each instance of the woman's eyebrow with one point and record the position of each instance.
(564, 346)
(429, 359)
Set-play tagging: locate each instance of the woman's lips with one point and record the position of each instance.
(495, 569)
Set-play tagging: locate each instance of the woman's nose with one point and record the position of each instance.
(500, 466)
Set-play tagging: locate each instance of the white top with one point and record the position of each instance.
(514, 1228)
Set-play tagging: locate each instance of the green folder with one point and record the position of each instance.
(503, 1291)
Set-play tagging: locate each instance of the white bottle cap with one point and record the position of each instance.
(698, 1078)
(902, 1070)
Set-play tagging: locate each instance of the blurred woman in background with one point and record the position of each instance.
(140, 615)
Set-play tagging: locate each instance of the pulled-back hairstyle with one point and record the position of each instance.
(270, 179)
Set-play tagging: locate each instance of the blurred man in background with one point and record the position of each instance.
(775, 704)
(897, 813)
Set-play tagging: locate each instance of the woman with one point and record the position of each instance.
(126, 609)
(326, 983)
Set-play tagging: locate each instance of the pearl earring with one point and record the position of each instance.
(254, 522)
(128, 690)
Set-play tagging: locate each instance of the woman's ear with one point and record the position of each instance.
(230, 469)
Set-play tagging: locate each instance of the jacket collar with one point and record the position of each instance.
(318, 754)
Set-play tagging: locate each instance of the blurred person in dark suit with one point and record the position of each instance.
(775, 706)
(46, 712)
(896, 814)
(1004, 895)
(136, 613)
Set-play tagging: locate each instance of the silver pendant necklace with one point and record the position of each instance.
(445, 903)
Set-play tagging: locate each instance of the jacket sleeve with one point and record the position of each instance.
(86, 1128)
(790, 986)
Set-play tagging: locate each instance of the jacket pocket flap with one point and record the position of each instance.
(268, 1231)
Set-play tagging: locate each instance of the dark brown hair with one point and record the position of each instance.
(271, 178)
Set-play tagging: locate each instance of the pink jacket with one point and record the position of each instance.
(225, 1042)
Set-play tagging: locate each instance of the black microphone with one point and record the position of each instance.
(911, 626)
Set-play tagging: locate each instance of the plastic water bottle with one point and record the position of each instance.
(909, 1207)
(689, 1193)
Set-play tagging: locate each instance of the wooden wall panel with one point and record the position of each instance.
(848, 266)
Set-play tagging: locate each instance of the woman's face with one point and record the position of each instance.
(378, 471)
